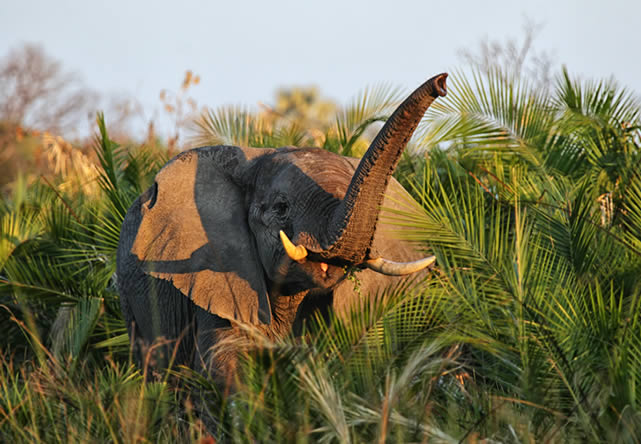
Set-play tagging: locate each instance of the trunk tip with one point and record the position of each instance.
(439, 84)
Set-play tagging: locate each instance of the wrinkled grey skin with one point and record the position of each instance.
(200, 254)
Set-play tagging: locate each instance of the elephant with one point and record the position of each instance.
(229, 237)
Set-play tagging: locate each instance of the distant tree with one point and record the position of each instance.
(304, 104)
(515, 57)
(37, 93)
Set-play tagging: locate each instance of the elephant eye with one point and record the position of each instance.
(153, 191)
(280, 208)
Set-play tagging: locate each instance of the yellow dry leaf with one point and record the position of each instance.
(187, 81)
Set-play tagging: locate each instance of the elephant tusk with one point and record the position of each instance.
(392, 268)
(295, 252)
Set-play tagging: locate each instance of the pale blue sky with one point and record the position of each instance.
(244, 50)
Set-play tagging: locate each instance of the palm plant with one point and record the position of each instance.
(58, 252)
(523, 242)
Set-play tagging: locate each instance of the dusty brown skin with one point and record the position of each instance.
(201, 252)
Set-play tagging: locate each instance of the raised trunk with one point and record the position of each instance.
(352, 226)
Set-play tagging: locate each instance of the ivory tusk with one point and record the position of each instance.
(392, 268)
(295, 252)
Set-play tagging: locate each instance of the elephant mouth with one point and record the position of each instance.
(350, 232)
(299, 253)
(308, 273)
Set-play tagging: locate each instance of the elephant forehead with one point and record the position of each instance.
(309, 169)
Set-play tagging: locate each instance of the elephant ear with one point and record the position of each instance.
(194, 234)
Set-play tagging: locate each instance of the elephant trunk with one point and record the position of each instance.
(352, 226)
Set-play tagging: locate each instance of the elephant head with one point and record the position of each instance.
(231, 227)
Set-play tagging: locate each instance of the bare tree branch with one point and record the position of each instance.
(37, 93)
(516, 58)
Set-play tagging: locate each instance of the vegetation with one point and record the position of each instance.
(529, 329)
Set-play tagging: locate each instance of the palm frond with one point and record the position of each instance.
(241, 127)
(490, 114)
(632, 214)
(76, 325)
(370, 106)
